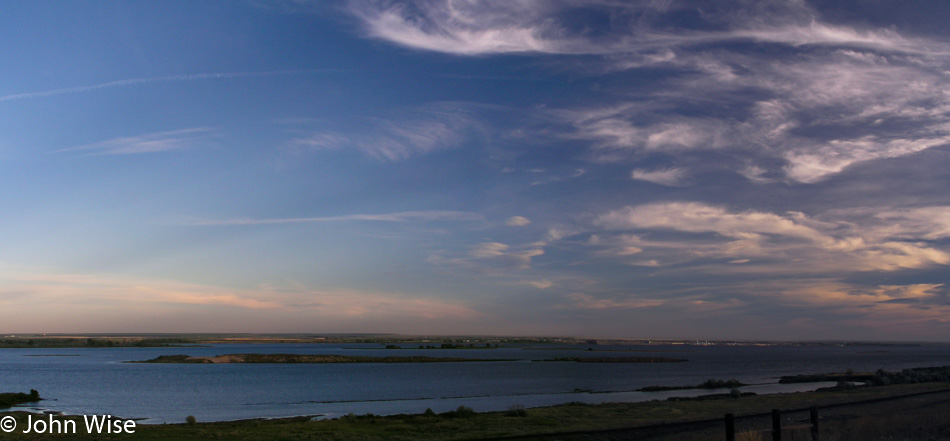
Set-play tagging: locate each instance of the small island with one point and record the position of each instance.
(14, 399)
(708, 384)
(299, 358)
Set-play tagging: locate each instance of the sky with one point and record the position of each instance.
(592, 168)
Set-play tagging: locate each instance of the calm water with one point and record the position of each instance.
(95, 381)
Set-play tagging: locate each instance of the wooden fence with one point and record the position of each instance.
(777, 427)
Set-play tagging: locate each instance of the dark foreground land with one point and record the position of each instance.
(908, 412)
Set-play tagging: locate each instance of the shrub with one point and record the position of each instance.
(460, 412)
(719, 384)
(190, 419)
(516, 410)
(428, 412)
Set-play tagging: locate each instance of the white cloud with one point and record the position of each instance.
(489, 250)
(517, 221)
(516, 258)
(930, 223)
(671, 177)
(818, 33)
(539, 284)
(831, 292)
(755, 174)
(781, 243)
(700, 218)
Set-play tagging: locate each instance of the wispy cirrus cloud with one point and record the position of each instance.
(477, 28)
(413, 132)
(826, 95)
(148, 143)
(618, 132)
(162, 79)
(461, 27)
(805, 118)
(404, 216)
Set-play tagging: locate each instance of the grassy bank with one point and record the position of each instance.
(488, 425)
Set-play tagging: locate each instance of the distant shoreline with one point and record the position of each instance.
(322, 358)
(34, 340)
(298, 358)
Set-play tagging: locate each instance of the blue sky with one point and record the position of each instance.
(655, 169)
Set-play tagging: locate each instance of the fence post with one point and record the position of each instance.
(730, 427)
(776, 425)
(814, 422)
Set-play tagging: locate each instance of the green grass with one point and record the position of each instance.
(928, 423)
